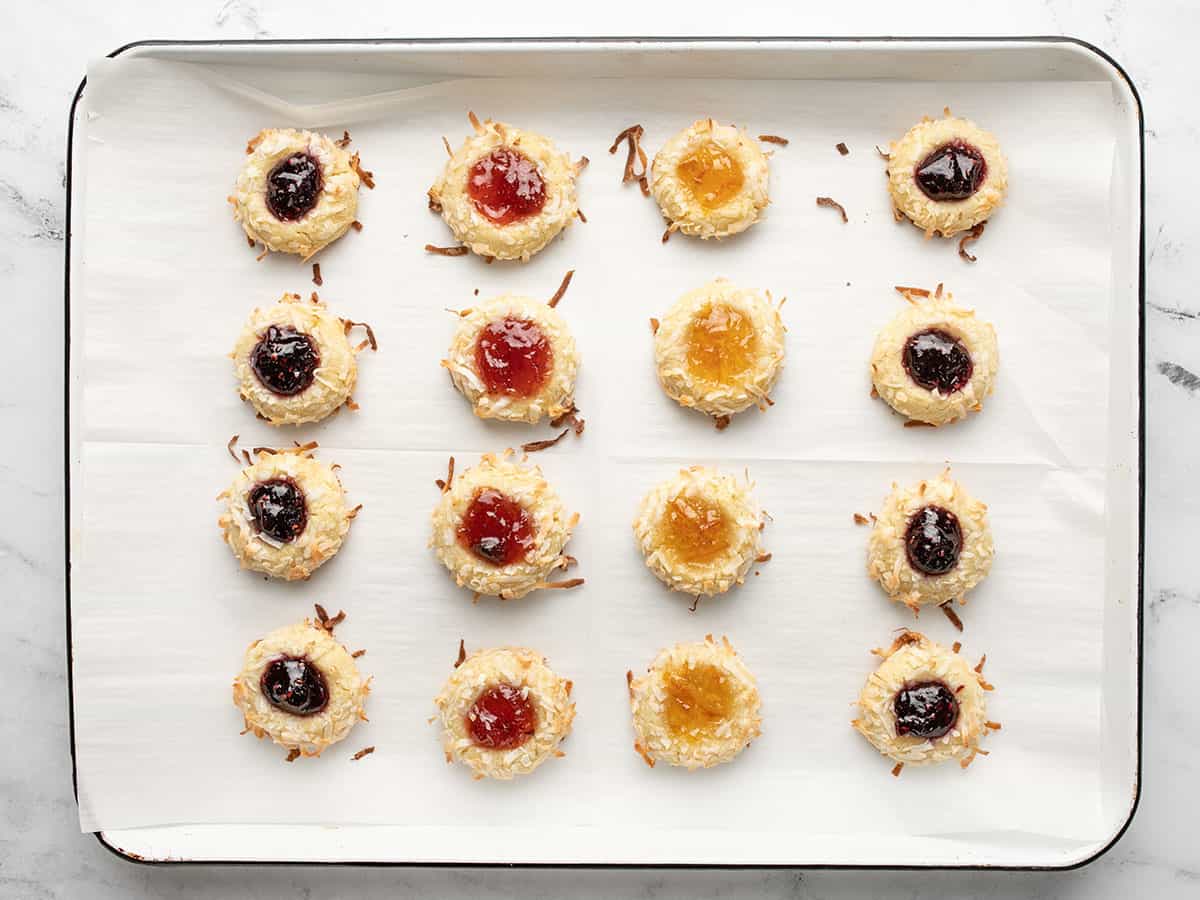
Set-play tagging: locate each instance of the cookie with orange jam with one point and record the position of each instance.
(501, 529)
(506, 192)
(696, 706)
(504, 712)
(700, 531)
(720, 349)
(514, 358)
(710, 180)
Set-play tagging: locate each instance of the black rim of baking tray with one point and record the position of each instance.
(1141, 419)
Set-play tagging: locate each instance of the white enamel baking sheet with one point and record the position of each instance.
(162, 281)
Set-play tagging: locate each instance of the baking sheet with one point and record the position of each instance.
(168, 277)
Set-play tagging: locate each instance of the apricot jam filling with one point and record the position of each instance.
(698, 700)
(496, 528)
(711, 176)
(513, 357)
(502, 717)
(506, 186)
(693, 530)
(721, 344)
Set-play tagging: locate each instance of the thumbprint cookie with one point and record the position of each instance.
(294, 361)
(924, 704)
(514, 358)
(699, 531)
(285, 513)
(501, 529)
(719, 350)
(931, 543)
(301, 688)
(710, 180)
(935, 362)
(504, 712)
(297, 191)
(506, 193)
(696, 706)
(946, 175)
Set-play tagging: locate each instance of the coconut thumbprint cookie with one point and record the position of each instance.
(297, 191)
(696, 706)
(924, 704)
(504, 712)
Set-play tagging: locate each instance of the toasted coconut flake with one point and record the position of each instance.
(368, 178)
(562, 289)
(460, 250)
(316, 279)
(232, 443)
(654, 323)
(446, 144)
(763, 557)
(721, 422)
(774, 139)
(462, 653)
(938, 293)
(263, 255)
(344, 140)
(253, 243)
(917, 423)
(562, 585)
(833, 204)
(969, 238)
(633, 136)
(860, 519)
(882, 154)
(571, 416)
(897, 769)
(365, 751)
(951, 615)
(444, 486)
(356, 225)
(293, 755)
(979, 667)
(370, 341)
(843, 149)
(535, 446)
(357, 653)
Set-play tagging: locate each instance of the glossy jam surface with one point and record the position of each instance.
(721, 344)
(502, 718)
(295, 685)
(697, 700)
(285, 360)
(278, 509)
(933, 541)
(711, 176)
(496, 528)
(506, 186)
(953, 171)
(293, 187)
(513, 357)
(928, 709)
(693, 529)
(937, 361)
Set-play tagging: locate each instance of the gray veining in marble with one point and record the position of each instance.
(44, 48)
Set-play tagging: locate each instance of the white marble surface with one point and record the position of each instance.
(44, 48)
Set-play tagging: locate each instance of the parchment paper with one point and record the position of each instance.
(162, 614)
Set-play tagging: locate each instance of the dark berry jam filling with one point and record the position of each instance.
(502, 717)
(506, 186)
(953, 171)
(925, 710)
(278, 508)
(496, 528)
(295, 685)
(285, 360)
(938, 361)
(293, 187)
(933, 541)
(512, 356)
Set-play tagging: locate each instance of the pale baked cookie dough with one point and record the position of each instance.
(294, 362)
(501, 529)
(539, 347)
(696, 706)
(924, 704)
(942, 213)
(286, 514)
(301, 688)
(504, 712)
(919, 555)
(935, 362)
(309, 179)
(710, 180)
(532, 167)
(720, 349)
(700, 531)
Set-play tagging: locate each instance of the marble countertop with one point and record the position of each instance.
(43, 53)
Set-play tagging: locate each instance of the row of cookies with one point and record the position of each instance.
(507, 192)
(503, 711)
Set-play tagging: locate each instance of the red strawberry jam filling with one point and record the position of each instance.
(496, 528)
(506, 186)
(502, 717)
(513, 357)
